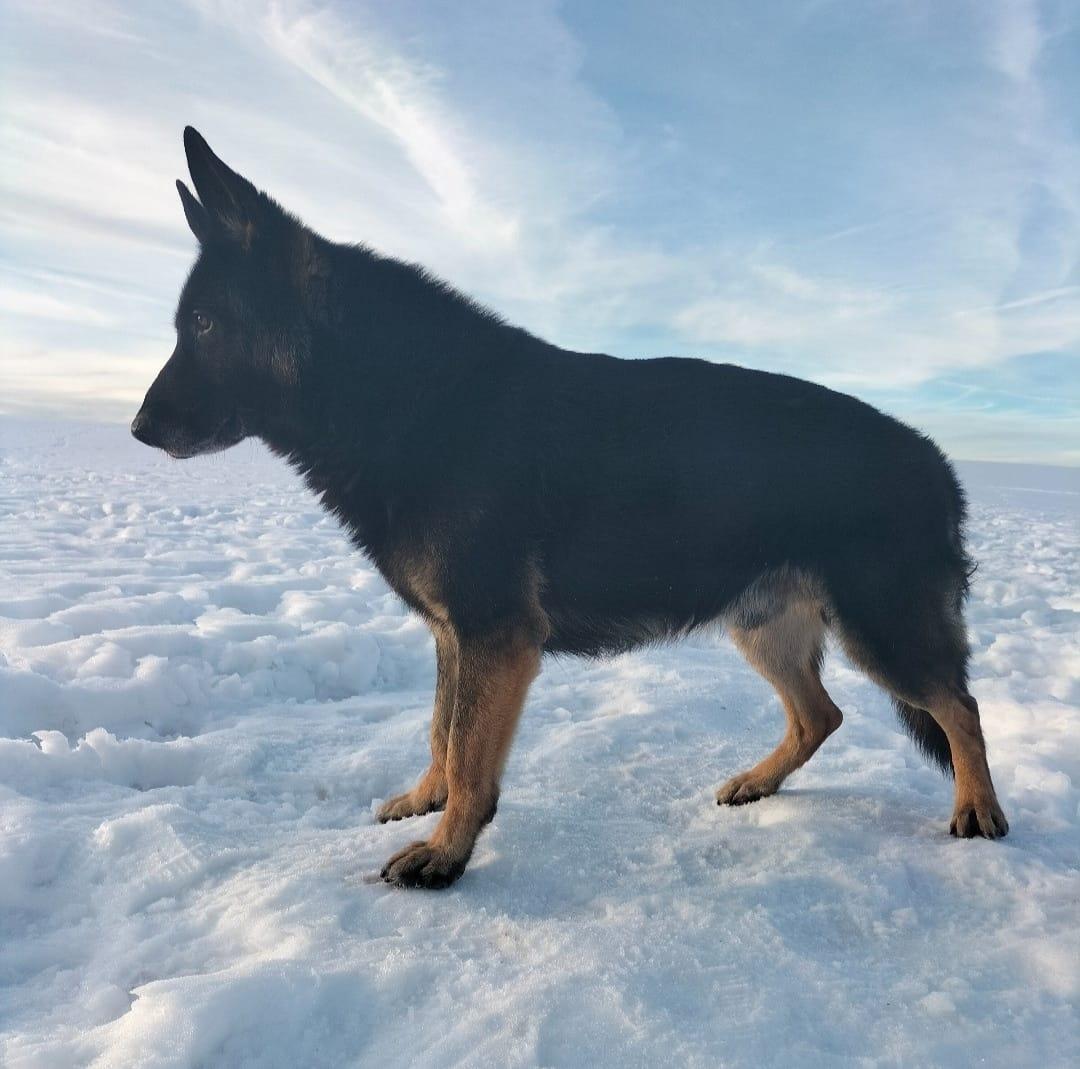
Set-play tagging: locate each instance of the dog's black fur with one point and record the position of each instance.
(617, 501)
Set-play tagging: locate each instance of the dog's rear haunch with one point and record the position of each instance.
(528, 500)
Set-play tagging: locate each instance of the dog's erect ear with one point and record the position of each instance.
(231, 205)
(195, 213)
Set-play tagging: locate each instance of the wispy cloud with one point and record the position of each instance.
(28, 304)
(1016, 40)
(1062, 293)
(368, 77)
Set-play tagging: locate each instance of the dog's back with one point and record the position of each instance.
(652, 493)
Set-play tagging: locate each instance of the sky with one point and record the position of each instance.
(883, 197)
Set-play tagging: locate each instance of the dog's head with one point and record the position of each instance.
(240, 336)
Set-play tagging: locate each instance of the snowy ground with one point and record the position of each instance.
(204, 694)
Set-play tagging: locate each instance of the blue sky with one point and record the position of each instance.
(883, 197)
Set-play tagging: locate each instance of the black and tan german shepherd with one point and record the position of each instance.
(527, 500)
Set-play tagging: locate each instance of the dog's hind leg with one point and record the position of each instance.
(976, 810)
(905, 629)
(786, 648)
(429, 794)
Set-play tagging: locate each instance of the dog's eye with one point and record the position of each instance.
(202, 322)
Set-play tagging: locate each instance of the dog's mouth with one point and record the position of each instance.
(228, 433)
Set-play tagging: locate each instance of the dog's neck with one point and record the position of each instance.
(394, 356)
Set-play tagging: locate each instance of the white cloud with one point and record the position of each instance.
(872, 337)
(26, 303)
(74, 382)
(1017, 38)
(369, 78)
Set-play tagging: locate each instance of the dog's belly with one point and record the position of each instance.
(615, 599)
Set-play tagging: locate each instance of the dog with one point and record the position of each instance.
(528, 500)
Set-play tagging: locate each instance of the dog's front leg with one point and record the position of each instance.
(429, 794)
(493, 677)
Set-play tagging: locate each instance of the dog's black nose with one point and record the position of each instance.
(141, 428)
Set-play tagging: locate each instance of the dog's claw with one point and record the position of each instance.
(742, 789)
(979, 819)
(408, 805)
(422, 865)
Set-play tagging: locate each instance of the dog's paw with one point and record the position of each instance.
(422, 865)
(983, 818)
(744, 788)
(409, 804)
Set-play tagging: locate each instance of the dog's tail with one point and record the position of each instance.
(927, 735)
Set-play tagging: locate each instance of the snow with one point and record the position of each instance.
(205, 694)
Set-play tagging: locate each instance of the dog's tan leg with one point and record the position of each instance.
(492, 679)
(786, 650)
(429, 794)
(976, 810)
